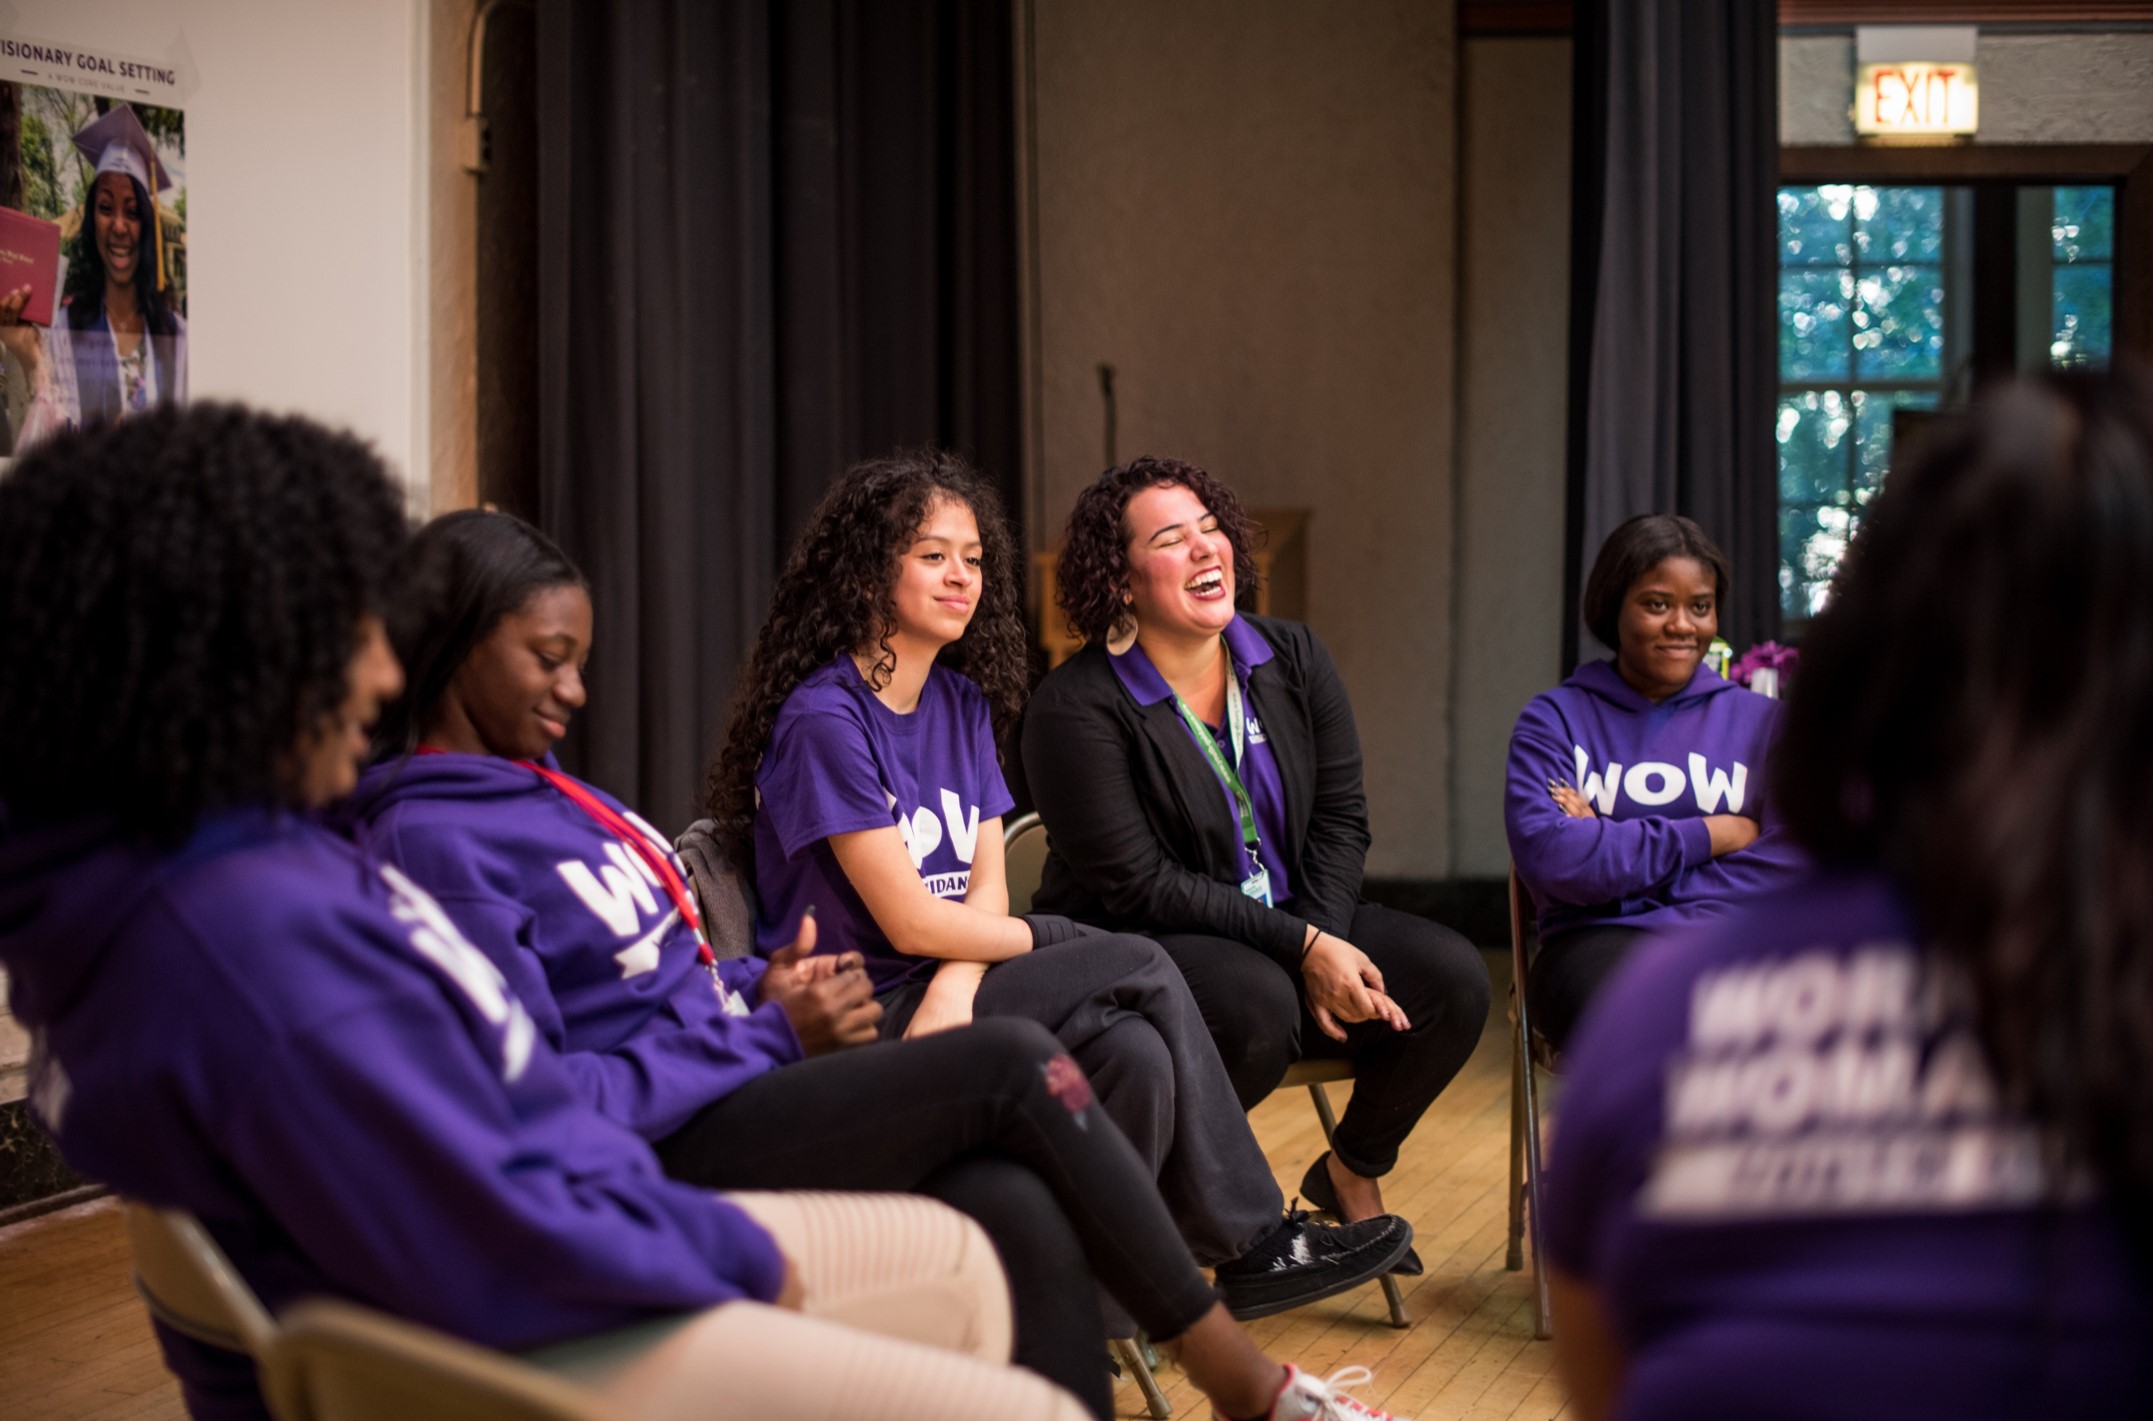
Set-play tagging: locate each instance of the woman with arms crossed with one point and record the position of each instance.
(1200, 779)
(1636, 791)
(737, 1071)
(1880, 1144)
(860, 777)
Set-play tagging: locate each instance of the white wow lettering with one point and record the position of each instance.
(1652, 783)
(923, 831)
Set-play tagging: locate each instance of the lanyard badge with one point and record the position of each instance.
(1258, 883)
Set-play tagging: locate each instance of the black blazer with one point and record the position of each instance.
(1140, 838)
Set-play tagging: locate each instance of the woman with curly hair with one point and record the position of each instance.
(237, 1013)
(1879, 1143)
(859, 778)
(1200, 778)
(738, 1071)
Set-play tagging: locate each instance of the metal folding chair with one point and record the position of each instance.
(1529, 1053)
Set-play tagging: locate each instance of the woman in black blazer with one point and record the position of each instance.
(1200, 779)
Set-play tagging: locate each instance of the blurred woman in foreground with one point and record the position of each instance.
(1881, 1144)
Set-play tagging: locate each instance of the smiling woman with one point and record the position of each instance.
(1635, 797)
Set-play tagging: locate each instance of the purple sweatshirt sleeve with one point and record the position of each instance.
(1583, 861)
(743, 974)
(658, 1078)
(450, 1209)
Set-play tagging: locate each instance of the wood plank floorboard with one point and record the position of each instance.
(74, 1342)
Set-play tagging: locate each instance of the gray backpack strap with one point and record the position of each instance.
(728, 904)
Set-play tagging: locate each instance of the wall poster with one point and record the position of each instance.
(93, 236)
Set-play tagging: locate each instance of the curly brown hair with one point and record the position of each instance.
(1092, 580)
(837, 595)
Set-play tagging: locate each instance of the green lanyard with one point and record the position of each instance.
(1226, 773)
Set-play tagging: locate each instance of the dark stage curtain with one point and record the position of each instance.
(773, 238)
(1672, 345)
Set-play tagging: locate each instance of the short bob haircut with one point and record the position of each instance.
(180, 599)
(1633, 550)
(1972, 717)
(1092, 578)
(461, 575)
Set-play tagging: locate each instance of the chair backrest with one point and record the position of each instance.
(188, 1284)
(728, 904)
(349, 1363)
(1024, 858)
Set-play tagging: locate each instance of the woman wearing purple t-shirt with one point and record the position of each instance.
(859, 778)
(1880, 1144)
(1635, 797)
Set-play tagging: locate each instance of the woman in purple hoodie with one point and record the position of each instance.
(1879, 1146)
(1635, 800)
(238, 1013)
(746, 1073)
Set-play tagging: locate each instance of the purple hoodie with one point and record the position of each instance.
(294, 1043)
(1652, 773)
(1785, 1170)
(582, 929)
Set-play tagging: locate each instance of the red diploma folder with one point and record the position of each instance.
(30, 256)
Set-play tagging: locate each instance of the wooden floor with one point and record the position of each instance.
(74, 1342)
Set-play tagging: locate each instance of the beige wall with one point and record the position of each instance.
(2058, 88)
(303, 202)
(1513, 363)
(1249, 209)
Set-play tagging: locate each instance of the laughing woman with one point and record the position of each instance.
(859, 778)
(1200, 778)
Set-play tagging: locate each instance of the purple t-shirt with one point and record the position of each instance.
(1782, 1166)
(840, 761)
(1258, 769)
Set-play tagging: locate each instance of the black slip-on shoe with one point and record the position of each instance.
(1302, 1261)
(1316, 1188)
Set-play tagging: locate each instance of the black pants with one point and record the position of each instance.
(1567, 972)
(984, 1120)
(1117, 1004)
(1258, 1013)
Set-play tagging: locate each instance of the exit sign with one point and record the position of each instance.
(1912, 97)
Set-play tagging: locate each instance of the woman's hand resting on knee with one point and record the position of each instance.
(947, 1003)
(1344, 986)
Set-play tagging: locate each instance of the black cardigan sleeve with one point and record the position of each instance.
(1079, 751)
(1334, 844)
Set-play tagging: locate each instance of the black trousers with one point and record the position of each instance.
(991, 1120)
(1258, 1014)
(1566, 973)
(1118, 1005)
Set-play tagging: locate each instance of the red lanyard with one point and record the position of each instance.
(676, 888)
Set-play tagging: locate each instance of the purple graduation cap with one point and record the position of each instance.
(116, 142)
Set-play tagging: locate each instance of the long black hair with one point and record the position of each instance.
(1973, 714)
(461, 575)
(837, 595)
(180, 598)
(85, 293)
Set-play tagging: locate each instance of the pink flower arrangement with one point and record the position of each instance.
(1766, 656)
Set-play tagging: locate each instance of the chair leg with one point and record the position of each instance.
(1542, 1324)
(1520, 1062)
(1132, 1357)
(1322, 1098)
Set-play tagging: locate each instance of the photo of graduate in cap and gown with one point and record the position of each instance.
(118, 344)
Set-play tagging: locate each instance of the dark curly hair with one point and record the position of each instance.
(461, 574)
(180, 597)
(837, 595)
(1972, 715)
(1092, 579)
(1631, 551)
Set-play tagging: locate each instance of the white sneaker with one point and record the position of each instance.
(1303, 1398)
